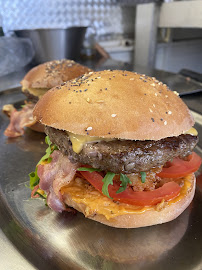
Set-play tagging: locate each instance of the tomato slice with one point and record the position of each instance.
(140, 198)
(179, 168)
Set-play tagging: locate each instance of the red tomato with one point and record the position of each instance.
(179, 168)
(142, 198)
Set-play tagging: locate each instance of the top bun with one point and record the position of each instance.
(50, 74)
(115, 104)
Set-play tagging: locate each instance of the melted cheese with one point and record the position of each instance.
(78, 141)
(96, 203)
(192, 131)
(39, 92)
(186, 186)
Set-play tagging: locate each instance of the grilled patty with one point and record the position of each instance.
(125, 156)
(30, 97)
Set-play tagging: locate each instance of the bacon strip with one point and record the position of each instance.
(54, 175)
(19, 120)
(33, 195)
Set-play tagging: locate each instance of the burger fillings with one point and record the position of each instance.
(120, 149)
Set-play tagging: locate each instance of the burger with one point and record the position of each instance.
(120, 149)
(34, 85)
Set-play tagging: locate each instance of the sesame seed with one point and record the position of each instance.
(169, 112)
(176, 93)
(90, 73)
(156, 94)
(88, 100)
(113, 115)
(150, 110)
(131, 79)
(165, 123)
(152, 84)
(166, 96)
(154, 105)
(100, 101)
(89, 128)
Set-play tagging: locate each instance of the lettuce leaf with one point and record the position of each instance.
(143, 176)
(107, 180)
(33, 176)
(124, 182)
(85, 169)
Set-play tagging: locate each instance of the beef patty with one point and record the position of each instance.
(125, 156)
(31, 97)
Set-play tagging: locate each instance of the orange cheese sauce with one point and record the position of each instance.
(187, 183)
(96, 203)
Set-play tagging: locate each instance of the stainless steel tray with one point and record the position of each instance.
(66, 241)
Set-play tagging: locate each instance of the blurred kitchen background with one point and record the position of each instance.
(165, 35)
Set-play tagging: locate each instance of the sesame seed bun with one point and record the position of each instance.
(47, 75)
(152, 215)
(43, 77)
(115, 104)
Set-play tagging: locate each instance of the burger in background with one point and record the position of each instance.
(35, 84)
(120, 149)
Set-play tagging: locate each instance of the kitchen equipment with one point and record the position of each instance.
(15, 53)
(51, 44)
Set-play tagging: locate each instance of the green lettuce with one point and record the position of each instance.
(33, 176)
(108, 180)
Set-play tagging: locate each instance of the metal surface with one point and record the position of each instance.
(51, 44)
(49, 240)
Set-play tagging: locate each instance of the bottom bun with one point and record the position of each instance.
(94, 205)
